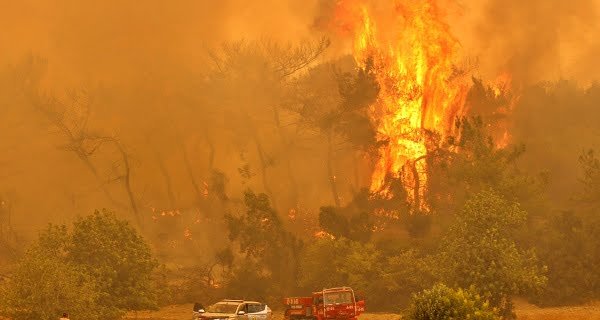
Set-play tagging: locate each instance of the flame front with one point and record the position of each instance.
(411, 52)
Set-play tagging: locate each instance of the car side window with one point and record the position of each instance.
(243, 307)
(255, 308)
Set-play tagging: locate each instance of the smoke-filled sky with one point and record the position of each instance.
(110, 40)
(116, 40)
(141, 51)
(535, 40)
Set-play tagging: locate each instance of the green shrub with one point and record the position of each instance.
(97, 270)
(444, 303)
(480, 251)
(113, 252)
(43, 286)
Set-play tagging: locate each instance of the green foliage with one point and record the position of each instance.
(44, 285)
(195, 283)
(111, 250)
(480, 251)
(481, 165)
(270, 252)
(249, 279)
(357, 91)
(337, 262)
(335, 222)
(443, 303)
(572, 252)
(418, 224)
(403, 274)
(569, 244)
(97, 270)
(383, 279)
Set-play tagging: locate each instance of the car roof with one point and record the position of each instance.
(337, 289)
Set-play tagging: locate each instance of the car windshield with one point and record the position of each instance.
(342, 297)
(223, 307)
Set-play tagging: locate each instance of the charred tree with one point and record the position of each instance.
(72, 122)
(293, 190)
(168, 184)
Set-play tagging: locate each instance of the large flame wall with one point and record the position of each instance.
(413, 56)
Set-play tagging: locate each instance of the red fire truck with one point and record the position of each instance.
(334, 303)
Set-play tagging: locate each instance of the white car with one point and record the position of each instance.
(233, 310)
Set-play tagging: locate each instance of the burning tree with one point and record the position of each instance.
(413, 54)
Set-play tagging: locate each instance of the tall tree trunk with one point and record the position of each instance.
(126, 178)
(330, 171)
(167, 177)
(293, 191)
(262, 157)
(190, 172)
(264, 166)
(417, 183)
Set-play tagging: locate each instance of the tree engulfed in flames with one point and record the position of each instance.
(409, 48)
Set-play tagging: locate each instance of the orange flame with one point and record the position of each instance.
(502, 86)
(412, 53)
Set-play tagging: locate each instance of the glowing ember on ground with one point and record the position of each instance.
(323, 235)
(187, 234)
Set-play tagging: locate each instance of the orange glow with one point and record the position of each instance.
(323, 235)
(502, 84)
(187, 234)
(292, 214)
(412, 53)
(205, 191)
(502, 88)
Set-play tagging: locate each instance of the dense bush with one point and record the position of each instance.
(387, 281)
(480, 250)
(97, 270)
(571, 251)
(269, 252)
(113, 252)
(568, 243)
(43, 286)
(444, 303)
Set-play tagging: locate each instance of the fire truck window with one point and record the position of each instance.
(338, 298)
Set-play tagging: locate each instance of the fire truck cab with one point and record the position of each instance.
(329, 304)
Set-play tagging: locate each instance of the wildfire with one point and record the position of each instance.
(502, 84)
(323, 235)
(412, 53)
(508, 97)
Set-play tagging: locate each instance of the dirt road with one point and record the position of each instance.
(524, 312)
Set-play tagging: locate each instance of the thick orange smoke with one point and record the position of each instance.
(412, 53)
